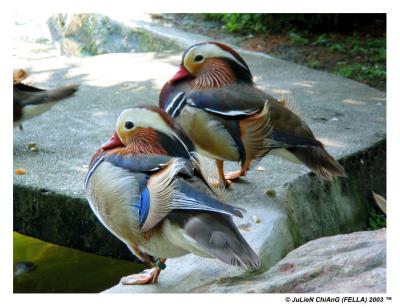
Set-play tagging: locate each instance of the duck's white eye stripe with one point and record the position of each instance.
(210, 50)
(143, 118)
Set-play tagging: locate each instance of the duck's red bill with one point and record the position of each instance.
(181, 73)
(113, 142)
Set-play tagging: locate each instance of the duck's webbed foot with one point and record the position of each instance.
(242, 172)
(233, 175)
(148, 276)
(220, 183)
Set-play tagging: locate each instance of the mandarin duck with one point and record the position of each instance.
(215, 100)
(145, 188)
(29, 101)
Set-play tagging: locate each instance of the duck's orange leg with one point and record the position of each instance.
(226, 179)
(221, 176)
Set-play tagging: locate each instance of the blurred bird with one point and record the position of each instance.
(214, 98)
(145, 187)
(29, 101)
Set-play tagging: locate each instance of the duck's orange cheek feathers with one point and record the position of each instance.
(144, 141)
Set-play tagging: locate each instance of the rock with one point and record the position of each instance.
(352, 263)
(24, 267)
(92, 34)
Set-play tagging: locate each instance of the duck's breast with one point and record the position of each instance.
(112, 193)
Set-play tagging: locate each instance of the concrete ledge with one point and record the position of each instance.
(319, 209)
(63, 220)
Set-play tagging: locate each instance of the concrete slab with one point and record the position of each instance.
(347, 116)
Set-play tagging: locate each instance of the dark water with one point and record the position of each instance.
(42, 267)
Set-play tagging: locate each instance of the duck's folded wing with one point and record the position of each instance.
(164, 190)
(218, 236)
(232, 101)
(167, 192)
(147, 163)
(289, 128)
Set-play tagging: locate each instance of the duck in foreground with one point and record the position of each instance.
(29, 101)
(146, 188)
(214, 98)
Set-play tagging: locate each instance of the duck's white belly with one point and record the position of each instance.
(172, 242)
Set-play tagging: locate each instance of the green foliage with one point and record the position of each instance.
(256, 23)
(314, 64)
(376, 220)
(320, 41)
(373, 53)
(297, 39)
(374, 48)
(360, 71)
(336, 47)
(236, 22)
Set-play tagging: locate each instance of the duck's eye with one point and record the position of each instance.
(129, 125)
(198, 58)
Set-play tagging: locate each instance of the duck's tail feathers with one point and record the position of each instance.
(219, 237)
(319, 161)
(29, 95)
